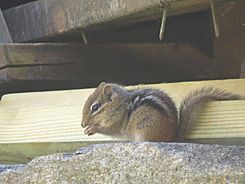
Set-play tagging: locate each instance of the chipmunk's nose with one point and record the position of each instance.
(83, 124)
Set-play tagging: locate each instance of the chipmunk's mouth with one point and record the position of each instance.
(84, 125)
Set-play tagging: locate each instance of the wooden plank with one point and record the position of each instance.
(42, 19)
(215, 121)
(229, 47)
(241, 17)
(51, 54)
(123, 63)
(179, 29)
(175, 90)
(40, 54)
(5, 36)
(62, 124)
(242, 74)
(35, 121)
(9, 4)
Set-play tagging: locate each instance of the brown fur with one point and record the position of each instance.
(150, 126)
(192, 103)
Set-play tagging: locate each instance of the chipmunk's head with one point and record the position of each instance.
(104, 107)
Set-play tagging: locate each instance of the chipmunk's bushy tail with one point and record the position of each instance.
(193, 102)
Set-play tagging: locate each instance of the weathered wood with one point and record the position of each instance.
(9, 4)
(44, 122)
(41, 19)
(229, 47)
(123, 63)
(51, 54)
(242, 74)
(242, 29)
(5, 36)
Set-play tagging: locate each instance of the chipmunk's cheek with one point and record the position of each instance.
(105, 123)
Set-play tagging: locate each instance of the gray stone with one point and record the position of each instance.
(4, 168)
(136, 163)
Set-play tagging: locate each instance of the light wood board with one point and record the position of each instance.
(31, 122)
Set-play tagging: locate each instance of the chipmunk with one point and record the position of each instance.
(144, 114)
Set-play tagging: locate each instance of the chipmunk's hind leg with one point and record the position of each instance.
(152, 125)
(160, 133)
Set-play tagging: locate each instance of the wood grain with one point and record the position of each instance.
(122, 63)
(5, 36)
(229, 47)
(44, 19)
(37, 120)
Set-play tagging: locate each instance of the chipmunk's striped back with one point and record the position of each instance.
(155, 98)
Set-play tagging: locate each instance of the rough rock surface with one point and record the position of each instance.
(136, 163)
(4, 168)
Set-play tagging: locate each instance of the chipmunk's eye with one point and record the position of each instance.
(95, 107)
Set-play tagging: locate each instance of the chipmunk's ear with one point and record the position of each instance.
(102, 84)
(107, 92)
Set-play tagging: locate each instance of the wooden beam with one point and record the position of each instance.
(43, 19)
(124, 63)
(40, 123)
(5, 36)
(242, 74)
(52, 54)
(229, 47)
(9, 4)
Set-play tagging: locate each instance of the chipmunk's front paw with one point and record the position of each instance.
(90, 130)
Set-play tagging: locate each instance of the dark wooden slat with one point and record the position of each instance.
(199, 35)
(12, 3)
(45, 18)
(242, 74)
(179, 56)
(5, 37)
(90, 64)
(229, 47)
